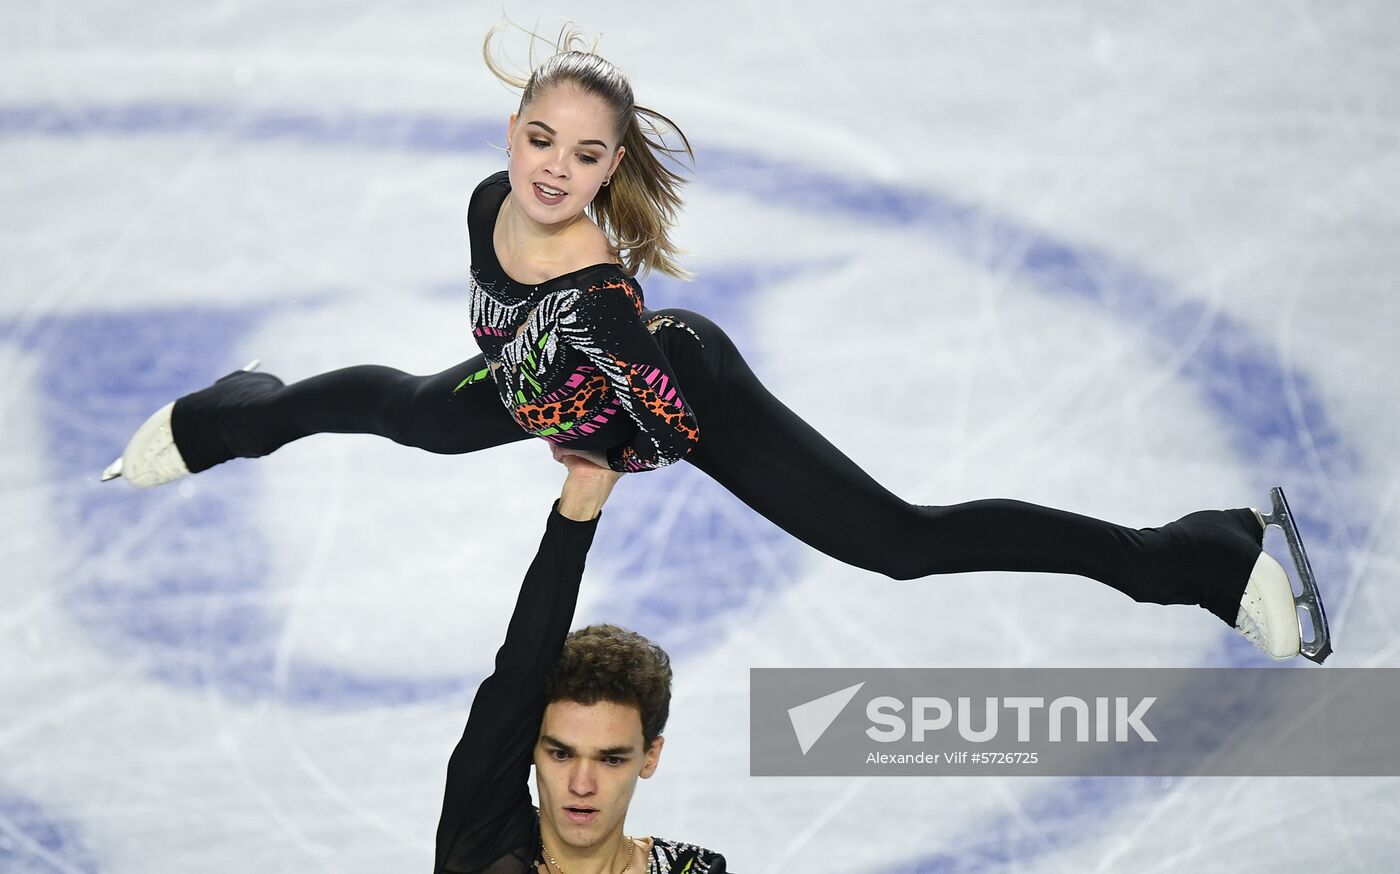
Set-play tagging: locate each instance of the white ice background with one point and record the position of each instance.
(1151, 266)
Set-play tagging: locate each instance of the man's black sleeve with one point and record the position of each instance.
(487, 815)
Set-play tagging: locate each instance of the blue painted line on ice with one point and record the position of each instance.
(1272, 412)
(177, 582)
(394, 131)
(33, 841)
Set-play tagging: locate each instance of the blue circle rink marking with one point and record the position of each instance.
(102, 371)
(32, 841)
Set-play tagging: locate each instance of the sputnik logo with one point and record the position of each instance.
(811, 720)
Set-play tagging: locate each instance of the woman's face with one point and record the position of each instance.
(562, 146)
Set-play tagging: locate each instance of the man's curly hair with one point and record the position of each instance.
(608, 663)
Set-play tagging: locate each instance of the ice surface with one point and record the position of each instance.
(1127, 259)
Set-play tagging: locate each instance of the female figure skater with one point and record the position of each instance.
(571, 355)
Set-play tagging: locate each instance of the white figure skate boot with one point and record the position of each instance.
(1268, 616)
(151, 457)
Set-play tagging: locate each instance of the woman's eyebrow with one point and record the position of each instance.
(549, 130)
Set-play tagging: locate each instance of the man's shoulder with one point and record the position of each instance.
(676, 857)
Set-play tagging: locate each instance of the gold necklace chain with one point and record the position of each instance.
(626, 842)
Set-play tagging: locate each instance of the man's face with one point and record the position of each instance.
(587, 761)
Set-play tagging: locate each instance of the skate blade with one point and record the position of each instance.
(251, 365)
(112, 471)
(1320, 647)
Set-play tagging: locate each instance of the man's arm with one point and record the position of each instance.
(486, 810)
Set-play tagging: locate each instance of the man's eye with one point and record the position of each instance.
(614, 760)
(558, 755)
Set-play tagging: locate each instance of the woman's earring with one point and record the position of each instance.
(607, 182)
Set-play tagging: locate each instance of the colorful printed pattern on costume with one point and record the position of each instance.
(570, 411)
(653, 392)
(567, 362)
(474, 378)
(656, 323)
(633, 294)
(669, 857)
(654, 389)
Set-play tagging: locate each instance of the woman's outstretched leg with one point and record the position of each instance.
(780, 466)
(251, 414)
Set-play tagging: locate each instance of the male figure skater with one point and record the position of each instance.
(587, 709)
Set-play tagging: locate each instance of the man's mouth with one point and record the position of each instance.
(581, 814)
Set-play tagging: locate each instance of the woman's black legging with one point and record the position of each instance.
(759, 450)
